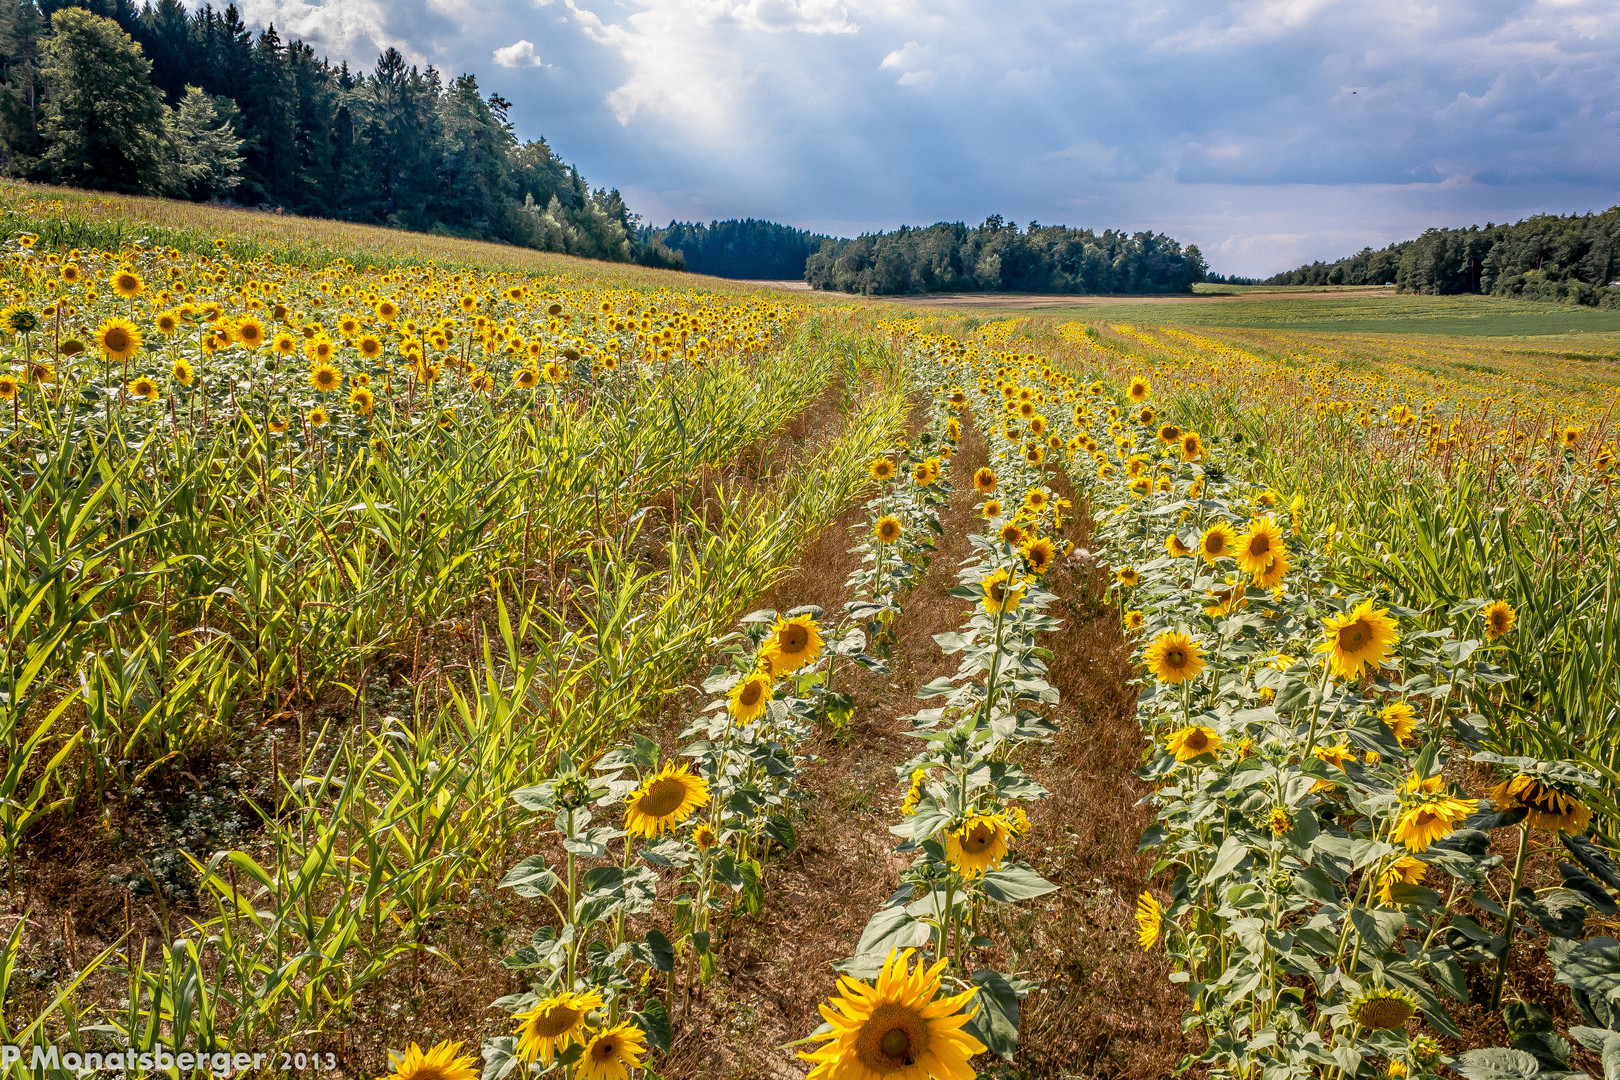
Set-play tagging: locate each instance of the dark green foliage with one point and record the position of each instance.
(1570, 259)
(752, 249)
(999, 257)
(396, 146)
(103, 119)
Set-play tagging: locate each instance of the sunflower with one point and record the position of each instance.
(1546, 806)
(1279, 821)
(1499, 619)
(284, 344)
(610, 1054)
(750, 697)
(664, 800)
(127, 283)
(1380, 1007)
(553, 372)
(1128, 576)
(1170, 434)
(1034, 454)
(1336, 756)
(1149, 920)
(320, 349)
(896, 1030)
(363, 400)
(882, 469)
(19, 319)
(1139, 389)
(704, 837)
(447, 418)
(1192, 446)
(1358, 639)
(1257, 548)
(887, 529)
(1403, 871)
(1012, 534)
(1002, 592)
(791, 645)
(992, 508)
(1272, 576)
(325, 378)
(984, 480)
(526, 378)
(553, 1024)
(1192, 742)
(118, 339)
(143, 387)
(1173, 657)
(1401, 718)
(1176, 547)
(439, 1063)
(1133, 620)
(1218, 541)
(249, 333)
(1430, 813)
(914, 792)
(9, 387)
(184, 373)
(1039, 554)
(316, 417)
(370, 346)
(979, 844)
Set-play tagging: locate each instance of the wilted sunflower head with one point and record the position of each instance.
(1548, 793)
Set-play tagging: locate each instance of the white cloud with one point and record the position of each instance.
(518, 54)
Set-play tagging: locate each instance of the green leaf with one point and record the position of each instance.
(1014, 882)
(892, 928)
(996, 1022)
(530, 878)
(1498, 1063)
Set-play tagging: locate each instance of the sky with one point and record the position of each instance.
(1268, 132)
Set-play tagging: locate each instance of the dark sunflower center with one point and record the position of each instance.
(663, 797)
(896, 1043)
(794, 638)
(977, 839)
(750, 694)
(560, 1019)
(1198, 741)
(117, 338)
(604, 1050)
(1176, 658)
(997, 591)
(1354, 636)
(1260, 545)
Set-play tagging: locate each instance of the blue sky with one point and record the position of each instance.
(1269, 132)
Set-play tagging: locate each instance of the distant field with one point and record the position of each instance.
(1349, 310)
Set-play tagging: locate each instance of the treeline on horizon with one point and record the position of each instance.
(162, 101)
(998, 256)
(1571, 259)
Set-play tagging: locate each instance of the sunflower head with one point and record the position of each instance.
(900, 1028)
(1217, 542)
(1192, 742)
(1192, 446)
(750, 697)
(1258, 548)
(1039, 554)
(127, 283)
(439, 1063)
(1001, 592)
(1139, 389)
(1149, 920)
(664, 800)
(1174, 657)
(553, 1024)
(1379, 1008)
(887, 529)
(611, 1053)
(792, 644)
(992, 509)
(984, 480)
(1359, 639)
(1499, 618)
(118, 339)
(9, 387)
(978, 844)
(1549, 804)
(882, 468)
(145, 388)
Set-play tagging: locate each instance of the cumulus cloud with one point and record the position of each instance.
(518, 54)
(1268, 131)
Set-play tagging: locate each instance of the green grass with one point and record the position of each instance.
(1455, 316)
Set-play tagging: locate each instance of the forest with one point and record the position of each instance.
(999, 256)
(206, 109)
(1573, 258)
(762, 250)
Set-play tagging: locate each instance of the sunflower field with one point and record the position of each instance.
(445, 670)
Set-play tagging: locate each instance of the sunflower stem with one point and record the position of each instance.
(1508, 919)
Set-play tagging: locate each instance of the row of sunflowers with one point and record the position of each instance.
(1331, 880)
